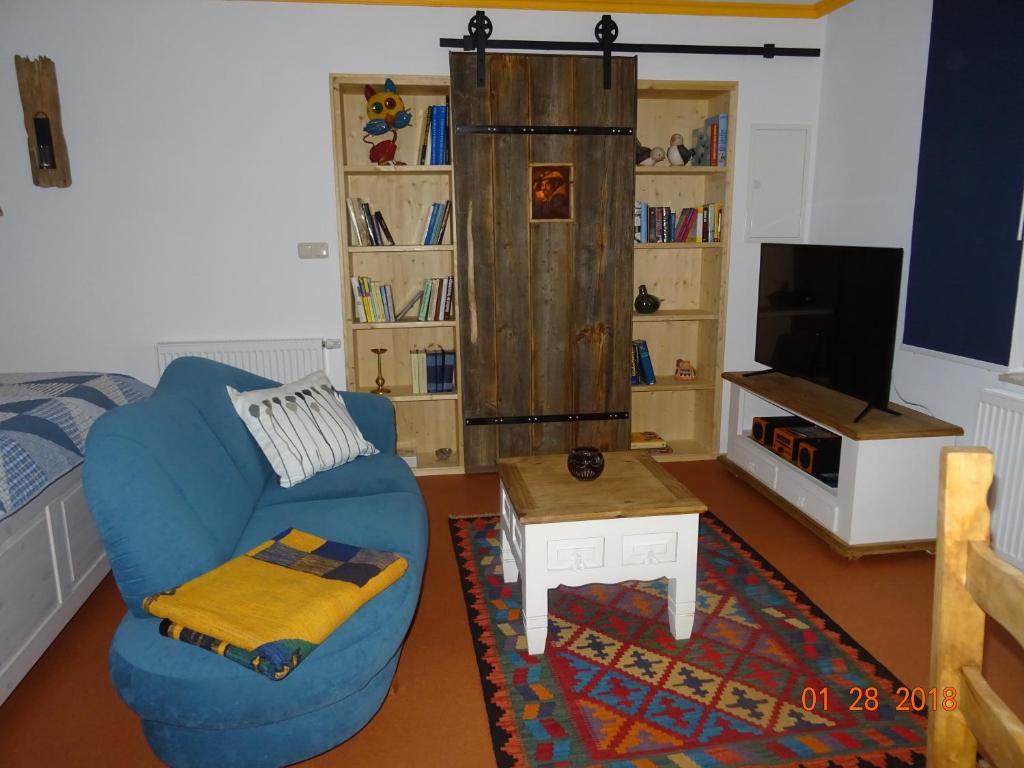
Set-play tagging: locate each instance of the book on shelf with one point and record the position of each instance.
(425, 135)
(646, 439)
(717, 129)
(645, 365)
(359, 231)
(448, 371)
(438, 138)
(634, 364)
(445, 216)
(389, 304)
(407, 307)
(447, 159)
(371, 225)
(436, 223)
(699, 142)
(428, 286)
(357, 301)
(382, 227)
(435, 359)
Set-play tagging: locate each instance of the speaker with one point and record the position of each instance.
(762, 428)
(818, 455)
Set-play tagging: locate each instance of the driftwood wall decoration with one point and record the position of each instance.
(47, 150)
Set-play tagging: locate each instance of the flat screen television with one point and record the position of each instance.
(827, 313)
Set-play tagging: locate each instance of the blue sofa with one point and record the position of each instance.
(177, 486)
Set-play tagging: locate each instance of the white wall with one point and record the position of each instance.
(873, 80)
(199, 135)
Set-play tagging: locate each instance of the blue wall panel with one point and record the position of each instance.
(965, 256)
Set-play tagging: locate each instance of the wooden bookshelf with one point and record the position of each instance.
(689, 278)
(404, 194)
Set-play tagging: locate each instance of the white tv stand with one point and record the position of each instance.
(887, 494)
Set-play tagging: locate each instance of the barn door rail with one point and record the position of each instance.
(557, 130)
(481, 421)
(606, 32)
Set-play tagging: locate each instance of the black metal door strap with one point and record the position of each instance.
(480, 421)
(606, 32)
(559, 130)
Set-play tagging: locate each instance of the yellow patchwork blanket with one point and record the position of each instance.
(271, 607)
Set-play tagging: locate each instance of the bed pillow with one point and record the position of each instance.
(302, 427)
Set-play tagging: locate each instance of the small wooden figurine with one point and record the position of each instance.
(387, 113)
(647, 155)
(684, 371)
(677, 153)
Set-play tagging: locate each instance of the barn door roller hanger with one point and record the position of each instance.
(606, 32)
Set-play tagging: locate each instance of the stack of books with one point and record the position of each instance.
(435, 143)
(437, 299)
(366, 226)
(709, 142)
(433, 369)
(641, 369)
(646, 440)
(436, 223)
(660, 224)
(373, 301)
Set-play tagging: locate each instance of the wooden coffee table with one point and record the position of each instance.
(634, 522)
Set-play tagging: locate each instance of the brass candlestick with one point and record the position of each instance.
(381, 389)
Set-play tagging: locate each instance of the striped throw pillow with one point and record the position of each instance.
(302, 428)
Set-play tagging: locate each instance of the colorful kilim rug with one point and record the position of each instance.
(614, 688)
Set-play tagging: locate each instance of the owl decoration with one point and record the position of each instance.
(387, 114)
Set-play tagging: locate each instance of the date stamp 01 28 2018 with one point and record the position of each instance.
(866, 699)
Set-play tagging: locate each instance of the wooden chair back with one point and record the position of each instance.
(970, 582)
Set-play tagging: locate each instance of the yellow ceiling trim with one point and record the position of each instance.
(675, 7)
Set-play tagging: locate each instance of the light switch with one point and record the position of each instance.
(312, 250)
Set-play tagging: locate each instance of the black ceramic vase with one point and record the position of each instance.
(646, 303)
(585, 463)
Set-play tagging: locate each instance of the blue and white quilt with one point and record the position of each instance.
(44, 418)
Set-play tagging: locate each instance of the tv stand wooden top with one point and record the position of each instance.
(837, 411)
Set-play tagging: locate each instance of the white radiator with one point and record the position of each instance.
(1001, 429)
(278, 359)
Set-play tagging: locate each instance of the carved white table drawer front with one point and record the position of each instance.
(649, 548)
(576, 554)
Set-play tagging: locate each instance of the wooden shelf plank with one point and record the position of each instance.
(404, 324)
(428, 464)
(671, 385)
(673, 246)
(398, 248)
(403, 393)
(372, 170)
(674, 315)
(681, 170)
(683, 450)
(836, 411)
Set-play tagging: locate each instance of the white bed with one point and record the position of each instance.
(51, 559)
(51, 555)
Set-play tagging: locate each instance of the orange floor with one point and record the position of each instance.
(65, 712)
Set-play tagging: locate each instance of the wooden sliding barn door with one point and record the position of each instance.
(544, 306)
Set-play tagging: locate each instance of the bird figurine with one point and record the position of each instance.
(387, 114)
(677, 153)
(642, 152)
(657, 154)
